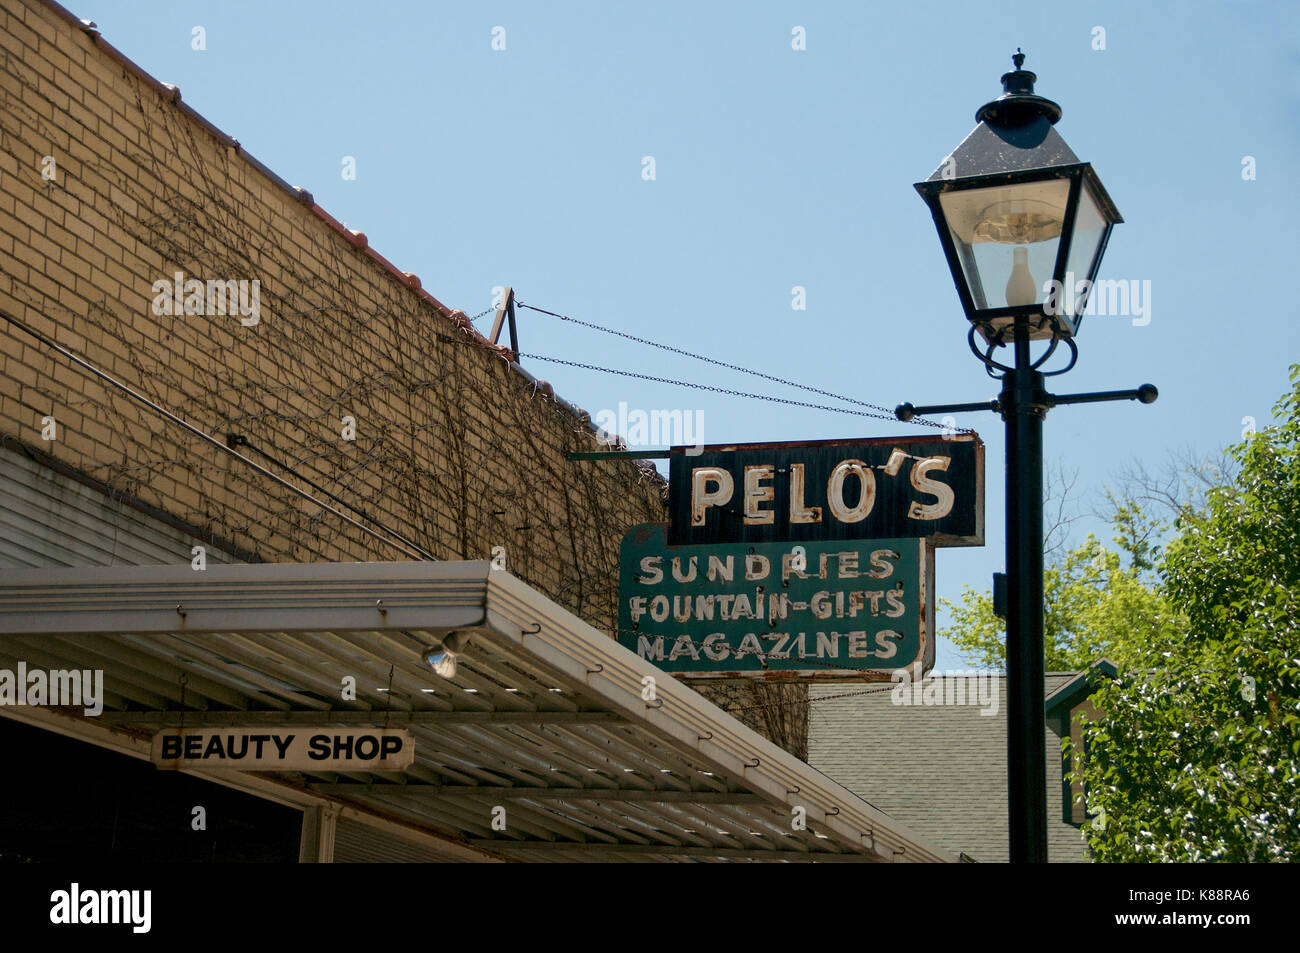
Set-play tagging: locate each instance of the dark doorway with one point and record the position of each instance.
(66, 800)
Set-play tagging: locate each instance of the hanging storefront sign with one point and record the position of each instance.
(826, 609)
(886, 488)
(263, 748)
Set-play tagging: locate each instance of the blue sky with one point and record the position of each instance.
(777, 168)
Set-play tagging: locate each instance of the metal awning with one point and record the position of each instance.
(544, 716)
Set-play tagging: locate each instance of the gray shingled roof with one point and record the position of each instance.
(939, 769)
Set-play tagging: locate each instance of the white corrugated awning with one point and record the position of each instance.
(545, 714)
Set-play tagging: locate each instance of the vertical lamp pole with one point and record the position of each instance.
(1023, 410)
(1023, 224)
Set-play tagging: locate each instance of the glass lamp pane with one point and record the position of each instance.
(1089, 230)
(1006, 239)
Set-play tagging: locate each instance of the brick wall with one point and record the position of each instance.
(454, 448)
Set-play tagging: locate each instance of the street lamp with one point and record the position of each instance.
(1024, 225)
(1023, 222)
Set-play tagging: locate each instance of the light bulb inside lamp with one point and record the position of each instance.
(1021, 289)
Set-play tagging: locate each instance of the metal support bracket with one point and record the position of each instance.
(506, 312)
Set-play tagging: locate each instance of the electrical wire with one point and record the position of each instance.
(882, 413)
(240, 440)
(709, 387)
(163, 412)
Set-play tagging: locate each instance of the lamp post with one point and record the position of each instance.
(1024, 225)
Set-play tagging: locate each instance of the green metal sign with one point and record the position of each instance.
(819, 609)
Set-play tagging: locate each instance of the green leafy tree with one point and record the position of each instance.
(1095, 606)
(1196, 753)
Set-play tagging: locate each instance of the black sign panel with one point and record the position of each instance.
(884, 488)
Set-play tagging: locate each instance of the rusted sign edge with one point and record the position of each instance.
(959, 437)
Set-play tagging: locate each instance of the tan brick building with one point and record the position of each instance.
(196, 354)
(111, 186)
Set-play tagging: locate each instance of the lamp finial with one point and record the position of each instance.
(1018, 105)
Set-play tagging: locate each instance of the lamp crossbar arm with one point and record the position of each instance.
(906, 412)
(1147, 394)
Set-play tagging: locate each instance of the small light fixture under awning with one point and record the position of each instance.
(442, 657)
